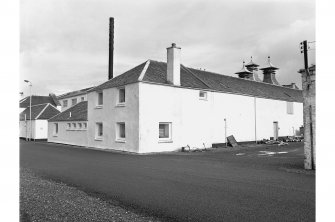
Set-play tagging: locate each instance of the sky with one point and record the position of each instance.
(64, 43)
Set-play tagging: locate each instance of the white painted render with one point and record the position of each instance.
(67, 136)
(110, 113)
(69, 101)
(39, 129)
(195, 121)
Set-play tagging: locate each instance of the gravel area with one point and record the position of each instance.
(44, 200)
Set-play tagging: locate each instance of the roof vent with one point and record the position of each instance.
(269, 73)
(70, 115)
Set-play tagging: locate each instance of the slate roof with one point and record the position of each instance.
(78, 113)
(36, 100)
(74, 93)
(200, 79)
(41, 111)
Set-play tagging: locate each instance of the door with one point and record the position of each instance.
(275, 130)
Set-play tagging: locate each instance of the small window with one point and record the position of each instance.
(121, 131)
(79, 125)
(289, 108)
(74, 101)
(122, 95)
(100, 99)
(55, 132)
(99, 131)
(85, 125)
(74, 125)
(69, 126)
(203, 95)
(65, 103)
(82, 98)
(165, 131)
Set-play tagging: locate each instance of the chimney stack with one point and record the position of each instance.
(111, 48)
(173, 64)
(269, 73)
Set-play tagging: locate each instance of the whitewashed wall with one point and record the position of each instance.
(39, 129)
(110, 114)
(196, 121)
(69, 101)
(66, 136)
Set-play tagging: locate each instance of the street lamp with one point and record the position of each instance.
(31, 126)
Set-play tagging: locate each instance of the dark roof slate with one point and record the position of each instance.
(78, 113)
(36, 100)
(42, 111)
(200, 79)
(74, 93)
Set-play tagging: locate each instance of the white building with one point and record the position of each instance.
(70, 99)
(37, 128)
(159, 106)
(36, 100)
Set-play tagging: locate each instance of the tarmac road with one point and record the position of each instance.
(248, 184)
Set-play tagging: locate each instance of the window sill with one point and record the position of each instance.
(98, 107)
(55, 135)
(202, 98)
(120, 105)
(120, 141)
(165, 141)
(98, 139)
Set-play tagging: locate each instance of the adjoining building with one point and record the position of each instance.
(70, 126)
(36, 100)
(37, 127)
(160, 106)
(70, 99)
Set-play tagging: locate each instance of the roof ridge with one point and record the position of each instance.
(144, 70)
(42, 111)
(184, 67)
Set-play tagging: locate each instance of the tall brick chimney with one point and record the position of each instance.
(269, 73)
(173, 64)
(111, 48)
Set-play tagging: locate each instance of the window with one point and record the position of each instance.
(100, 99)
(122, 96)
(203, 95)
(82, 98)
(85, 125)
(74, 101)
(121, 132)
(79, 125)
(165, 132)
(55, 132)
(65, 103)
(289, 108)
(98, 131)
(69, 126)
(74, 125)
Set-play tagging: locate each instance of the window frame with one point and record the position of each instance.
(118, 138)
(74, 99)
(290, 108)
(55, 129)
(98, 104)
(203, 97)
(118, 103)
(165, 139)
(97, 136)
(65, 103)
(82, 98)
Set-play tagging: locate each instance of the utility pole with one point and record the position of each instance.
(304, 50)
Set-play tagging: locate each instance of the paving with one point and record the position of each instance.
(259, 183)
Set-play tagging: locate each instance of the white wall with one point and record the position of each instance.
(196, 121)
(109, 114)
(66, 136)
(69, 101)
(39, 129)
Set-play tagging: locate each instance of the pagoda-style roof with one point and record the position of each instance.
(251, 64)
(244, 70)
(269, 66)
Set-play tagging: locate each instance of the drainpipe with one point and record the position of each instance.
(255, 109)
(225, 131)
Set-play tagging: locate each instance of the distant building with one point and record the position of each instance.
(37, 100)
(37, 128)
(160, 106)
(70, 99)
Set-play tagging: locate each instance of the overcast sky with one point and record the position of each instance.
(64, 43)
